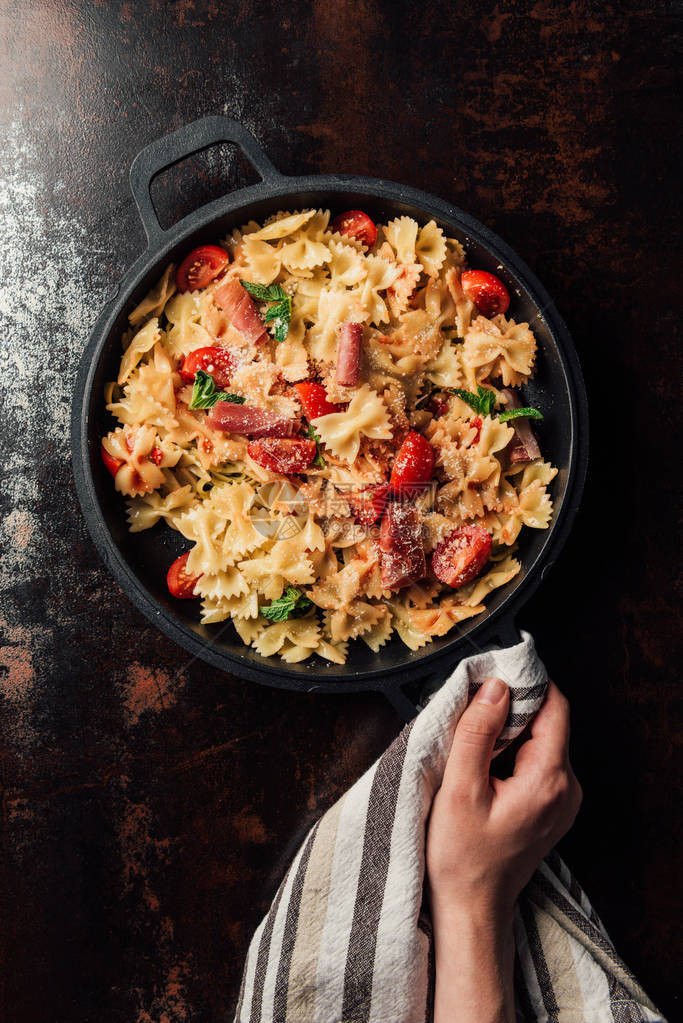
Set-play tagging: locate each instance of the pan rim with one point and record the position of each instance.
(347, 679)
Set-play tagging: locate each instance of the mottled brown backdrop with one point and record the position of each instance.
(150, 804)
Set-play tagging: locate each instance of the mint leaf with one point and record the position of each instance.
(520, 413)
(236, 399)
(482, 402)
(292, 604)
(259, 291)
(479, 403)
(281, 328)
(487, 400)
(272, 312)
(312, 434)
(467, 396)
(205, 395)
(279, 315)
(265, 292)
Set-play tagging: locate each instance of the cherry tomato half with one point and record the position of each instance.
(180, 584)
(356, 224)
(313, 398)
(413, 466)
(282, 456)
(201, 267)
(220, 363)
(461, 556)
(112, 464)
(488, 293)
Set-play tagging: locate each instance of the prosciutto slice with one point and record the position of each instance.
(348, 353)
(241, 308)
(252, 422)
(402, 555)
(524, 446)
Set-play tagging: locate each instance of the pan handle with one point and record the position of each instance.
(405, 708)
(171, 149)
(504, 633)
(409, 704)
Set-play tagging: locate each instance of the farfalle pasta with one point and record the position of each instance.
(324, 410)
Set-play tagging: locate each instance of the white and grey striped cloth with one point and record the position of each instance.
(347, 938)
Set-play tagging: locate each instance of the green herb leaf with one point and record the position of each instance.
(205, 395)
(273, 312)
(487, 400)
(520, 413)
(467, 396)
(279, 314)
(482, 402)
(236, 399)
(312, 434)
(292, 604)
(265, 292)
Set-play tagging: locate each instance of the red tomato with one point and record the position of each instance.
(112, 463)
(368, 504)
(488, 293)
(461, 556)
(201, 267)
(313, 398)
(156, 455)
(180, 584)
(356, 224)
(282, 456)
(476, 424)
(413, 465)
(219, 362)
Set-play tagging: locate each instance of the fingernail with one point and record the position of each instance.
(492, 691)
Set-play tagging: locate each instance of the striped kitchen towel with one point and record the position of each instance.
(347, 938)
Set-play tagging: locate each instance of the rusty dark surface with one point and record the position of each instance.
(149, 803)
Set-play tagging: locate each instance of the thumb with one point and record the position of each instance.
(475, 736)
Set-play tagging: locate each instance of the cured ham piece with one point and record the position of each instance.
(252, 422)
(402, 555)
(524, 447)
(241, 308)
(348, 354)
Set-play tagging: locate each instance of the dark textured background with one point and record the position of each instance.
(150, 804)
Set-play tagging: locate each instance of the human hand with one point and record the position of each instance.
(486, 836)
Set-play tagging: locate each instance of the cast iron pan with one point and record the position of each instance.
(139, 561)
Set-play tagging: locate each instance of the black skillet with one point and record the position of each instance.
(139, 561)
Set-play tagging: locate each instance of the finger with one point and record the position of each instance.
(475, 736)
(548, 746)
